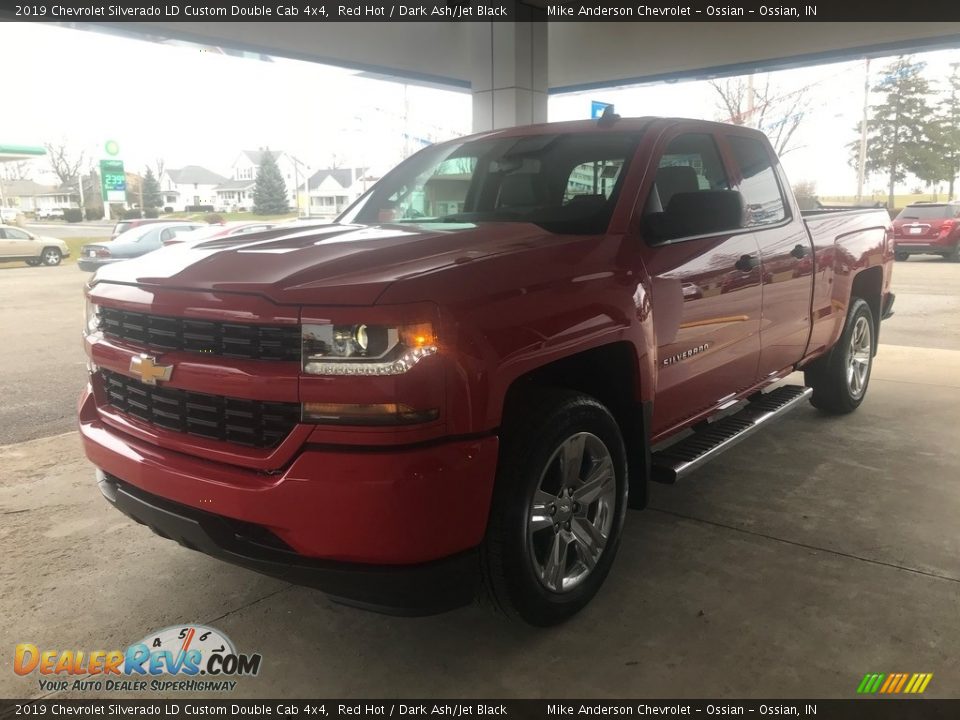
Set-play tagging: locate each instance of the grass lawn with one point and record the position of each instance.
(73, 243)
(228, 216)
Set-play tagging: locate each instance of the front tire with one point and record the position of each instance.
(558, 507)
(839, 380)
(32, 262)
(51, 256)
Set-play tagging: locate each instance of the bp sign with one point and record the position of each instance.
(113, 181)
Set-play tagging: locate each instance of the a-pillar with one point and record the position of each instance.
(510, 71)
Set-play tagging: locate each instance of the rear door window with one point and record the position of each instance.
(759, 186)
(927, 212)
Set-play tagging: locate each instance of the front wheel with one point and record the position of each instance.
(33, 262)
(51, 256)
(901, 256)
(839, 380)
(558, 507)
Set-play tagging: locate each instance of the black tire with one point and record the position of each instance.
(834, 376)
(901, 256)
(955, 255)
(32, 262)
(536, 427)
(51, 256)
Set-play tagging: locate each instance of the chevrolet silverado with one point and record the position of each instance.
(461, 385)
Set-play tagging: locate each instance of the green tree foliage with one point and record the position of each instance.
(900, 127)
(950, 128)
(151, 190)
(270, 192)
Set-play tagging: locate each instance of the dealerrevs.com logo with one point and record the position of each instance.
(177, 658)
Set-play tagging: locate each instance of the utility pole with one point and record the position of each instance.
(861, 165)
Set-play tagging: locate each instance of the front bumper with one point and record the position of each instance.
(420, 589)
(393, 529)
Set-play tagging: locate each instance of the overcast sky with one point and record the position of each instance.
(190, 106)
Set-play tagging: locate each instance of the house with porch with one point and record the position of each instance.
(189, 186)
(331, 190)
(237, 193)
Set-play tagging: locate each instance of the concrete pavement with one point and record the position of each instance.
(812, 553)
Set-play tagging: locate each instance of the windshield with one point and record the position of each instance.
(928, 212)
(134, 234)
(564, 183)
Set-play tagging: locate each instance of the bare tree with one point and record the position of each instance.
(19, 170)
(734, 97)
(765, 108)
(160, 164)
(65, 165)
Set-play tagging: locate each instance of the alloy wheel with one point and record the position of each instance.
(572, 512)
(858, 357)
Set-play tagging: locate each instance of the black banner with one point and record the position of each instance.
(867, 709)
(479, 11)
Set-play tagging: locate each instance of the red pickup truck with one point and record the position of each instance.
(465, 381)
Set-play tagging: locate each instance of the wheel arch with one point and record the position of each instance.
(868, 285)
(611, 374)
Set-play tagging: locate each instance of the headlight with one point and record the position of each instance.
(91, 318)
(365, 349)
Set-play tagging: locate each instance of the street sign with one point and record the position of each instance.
(597, 108)
(113, 181)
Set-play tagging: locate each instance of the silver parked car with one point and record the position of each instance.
(132, 243)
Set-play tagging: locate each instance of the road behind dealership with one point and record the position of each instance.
(812, 553)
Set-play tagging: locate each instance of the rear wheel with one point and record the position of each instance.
(558, 507)
(955, 255)
(901, 256)
(51, 256)
(839, 380)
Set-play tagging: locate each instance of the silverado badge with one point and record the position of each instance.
(145, 367)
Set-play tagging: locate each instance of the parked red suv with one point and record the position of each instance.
(928, 229)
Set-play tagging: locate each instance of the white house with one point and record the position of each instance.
(331, 190)
(189, 186)
(237, 192)
(28, 196)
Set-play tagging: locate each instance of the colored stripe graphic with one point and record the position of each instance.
(894, 683)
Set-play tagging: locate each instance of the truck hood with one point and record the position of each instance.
(323, 265)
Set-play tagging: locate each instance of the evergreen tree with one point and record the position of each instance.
(151, 190)
(899, 129)
(950, 128)
(270, 192)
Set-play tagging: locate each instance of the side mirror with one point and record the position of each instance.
(706, 212)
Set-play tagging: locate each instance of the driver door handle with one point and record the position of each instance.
(746, 263)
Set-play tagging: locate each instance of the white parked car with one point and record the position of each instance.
(50, 214)
(8, 215)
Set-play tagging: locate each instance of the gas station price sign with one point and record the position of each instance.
(113, 181)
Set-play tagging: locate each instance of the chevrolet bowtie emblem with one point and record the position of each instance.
(145, 367)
